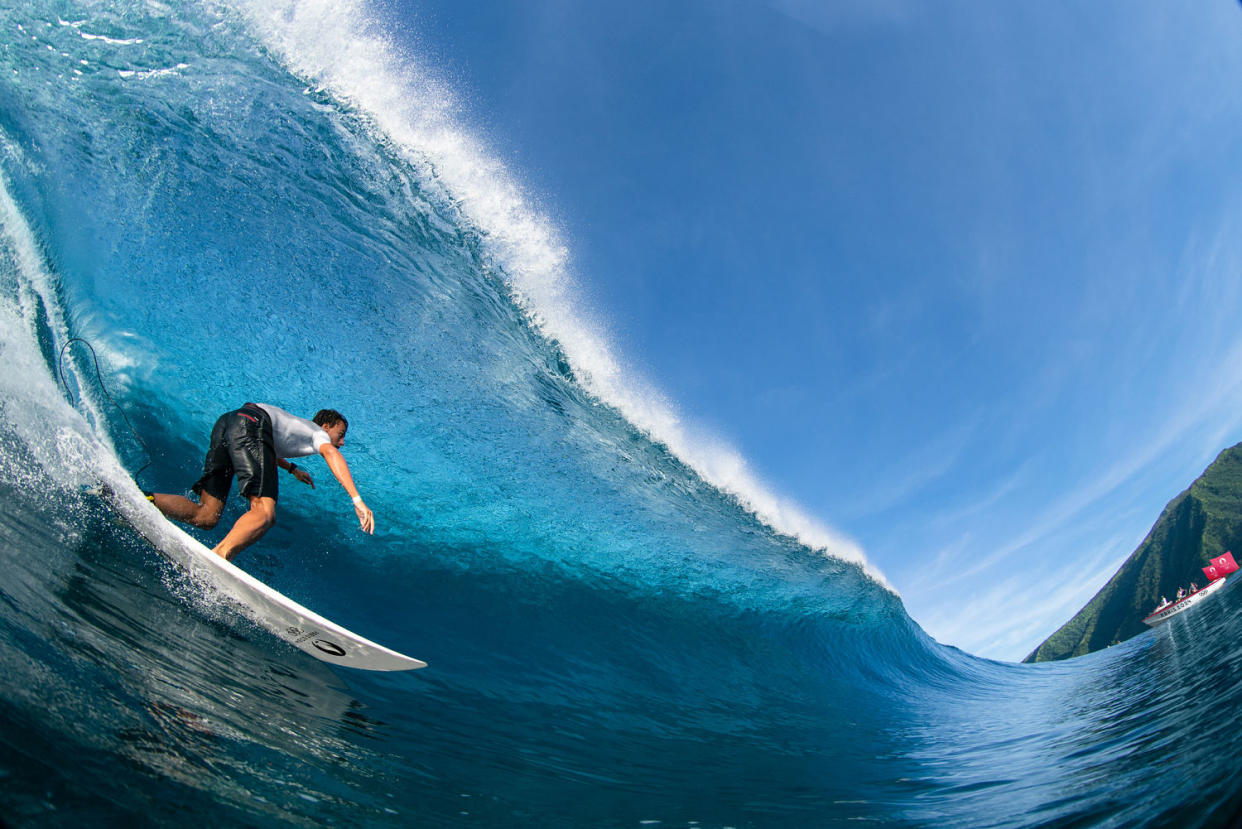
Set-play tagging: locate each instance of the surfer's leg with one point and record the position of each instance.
(203, 515)
(212, 488)
(249, 528)
(252, 457)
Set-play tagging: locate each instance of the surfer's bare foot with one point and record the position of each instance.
(226, 555)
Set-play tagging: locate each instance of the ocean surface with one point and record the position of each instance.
(239, 201)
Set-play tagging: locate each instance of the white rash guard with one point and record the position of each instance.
(294, 437)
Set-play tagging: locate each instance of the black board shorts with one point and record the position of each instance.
(241, 445)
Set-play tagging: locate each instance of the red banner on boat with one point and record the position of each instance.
(1220, 567)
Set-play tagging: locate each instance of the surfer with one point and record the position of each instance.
(251, 443)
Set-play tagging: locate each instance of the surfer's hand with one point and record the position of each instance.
(366, 518)
(303, 476)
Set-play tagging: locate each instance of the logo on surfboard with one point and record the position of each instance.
(329, 647)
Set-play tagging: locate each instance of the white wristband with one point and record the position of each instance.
(357, 499)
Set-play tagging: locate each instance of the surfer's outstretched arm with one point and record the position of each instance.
(336, 462)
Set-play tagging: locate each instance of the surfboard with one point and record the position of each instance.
(297, 625)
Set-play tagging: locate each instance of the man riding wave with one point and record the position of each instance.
(253, 443)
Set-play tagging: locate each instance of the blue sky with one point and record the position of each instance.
(963, 280)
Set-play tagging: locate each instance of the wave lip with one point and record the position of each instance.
(340, 47)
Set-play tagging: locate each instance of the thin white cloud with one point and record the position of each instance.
(1219, 411)
(925, 464)
(1020, 610)
(1201, 414)
(1007, 620)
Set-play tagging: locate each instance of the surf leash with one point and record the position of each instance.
(60, 368)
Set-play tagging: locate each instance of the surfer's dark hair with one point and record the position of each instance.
(329, 417)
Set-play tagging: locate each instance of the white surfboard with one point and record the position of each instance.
(297, 625)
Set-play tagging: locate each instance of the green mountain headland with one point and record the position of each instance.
(1203, 522)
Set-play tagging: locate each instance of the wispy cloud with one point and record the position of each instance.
(1176, 432)
(1017, 612)
(1218, 411)
(1007, 620)
(925, 464)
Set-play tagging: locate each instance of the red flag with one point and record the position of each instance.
(1220, 567)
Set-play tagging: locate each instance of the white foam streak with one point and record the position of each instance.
(336, 44)
(64, 445)
(77, 24)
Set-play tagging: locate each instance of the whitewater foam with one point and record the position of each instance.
(65, 445)
(339, 46)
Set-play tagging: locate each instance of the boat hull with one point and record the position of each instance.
(1166, 613)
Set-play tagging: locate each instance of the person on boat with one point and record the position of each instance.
(1181, 593)
(1194, 588)
(1163, 603)
(253, 443)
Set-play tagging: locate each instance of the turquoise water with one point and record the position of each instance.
(231, 204)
